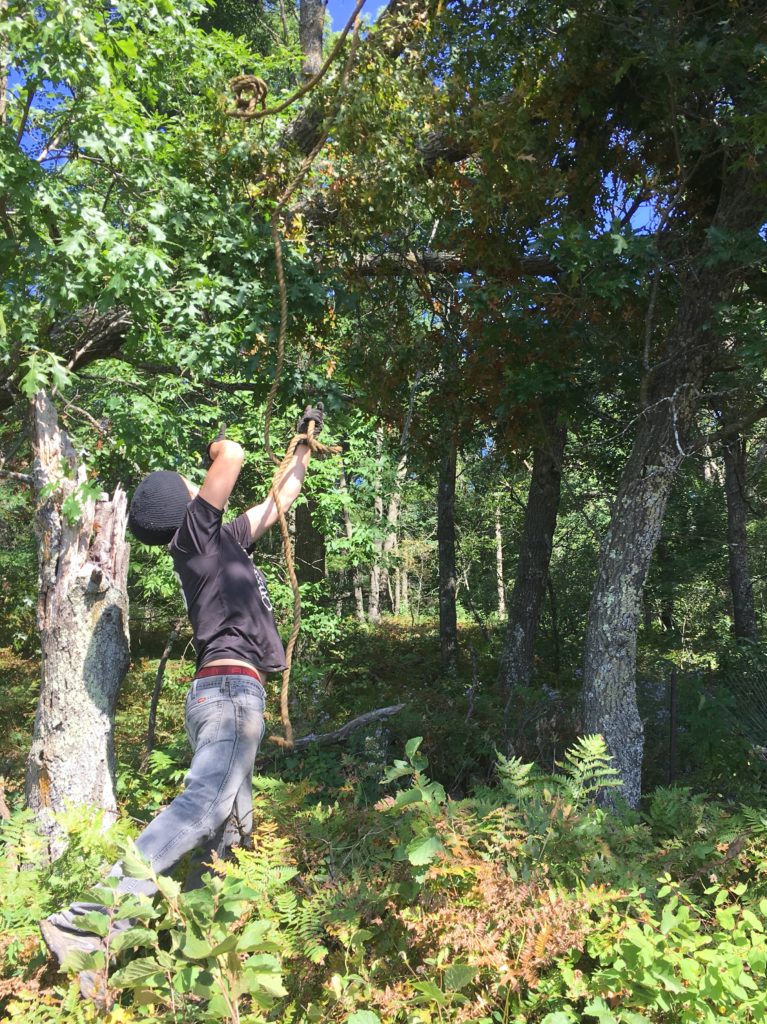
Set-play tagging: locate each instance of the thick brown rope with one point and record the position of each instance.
(249, 93)
(317, 449)
(277, 242)
(251, 111)
(316, 446)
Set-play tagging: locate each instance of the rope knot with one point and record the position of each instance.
(250, 93)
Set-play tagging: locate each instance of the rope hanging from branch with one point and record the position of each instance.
(318, 449)
(251, 110)
(249, 94)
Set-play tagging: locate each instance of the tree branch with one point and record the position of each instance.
(735, 427)
(23, 478)
(25, 113)
(257, 115)
(394, 28)
(327, 738)
(432, 261)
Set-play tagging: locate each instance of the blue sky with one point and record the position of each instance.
(340, 10)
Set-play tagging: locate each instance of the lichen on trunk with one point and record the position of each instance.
(83, 622)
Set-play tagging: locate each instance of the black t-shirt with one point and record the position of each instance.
(225, 594)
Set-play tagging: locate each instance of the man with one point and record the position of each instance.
(237, 645)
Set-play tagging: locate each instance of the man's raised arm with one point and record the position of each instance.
(226, 462)
(263, 516)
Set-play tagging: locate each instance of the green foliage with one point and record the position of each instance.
(523, 901)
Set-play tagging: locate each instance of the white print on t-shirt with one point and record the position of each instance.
(265, 599)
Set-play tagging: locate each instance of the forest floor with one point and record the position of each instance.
(406, 881)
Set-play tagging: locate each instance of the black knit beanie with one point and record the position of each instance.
(158, 507)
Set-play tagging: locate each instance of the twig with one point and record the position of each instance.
(152, 722)
(83, 412)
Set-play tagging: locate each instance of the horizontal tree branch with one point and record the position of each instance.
(731, 430)
(338, 735)
(173, 371)
(23, 478)
(432, 261)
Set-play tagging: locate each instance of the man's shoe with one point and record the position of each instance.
(61, 940)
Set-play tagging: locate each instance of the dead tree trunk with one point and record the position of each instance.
(527, 596)
(743, 611)
(448, 621)
(83, 621)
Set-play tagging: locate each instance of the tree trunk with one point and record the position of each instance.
(391, 539)
(669, 400)
(499, 584)
(359, 603)
(83, 622)
(310, 25)
(527, 596)
(310, 545)
(610, 706)
(744, 613)
(448, 622)
(374, 601)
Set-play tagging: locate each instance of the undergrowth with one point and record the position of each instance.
(450, 884)
(524, 902)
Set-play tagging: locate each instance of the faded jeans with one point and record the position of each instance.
(224, 720)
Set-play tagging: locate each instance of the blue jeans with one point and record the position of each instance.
(224, 720)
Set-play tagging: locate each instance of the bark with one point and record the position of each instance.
(374, 601)
(711, 471)
(526, 599)
(499, 584)
(670, 394)
(743, 610)
(404, 591)
(310, 546)
(359, 604)
(448, 622)
(610, 706)
(395, 500)
(83, 622)
(311, 23)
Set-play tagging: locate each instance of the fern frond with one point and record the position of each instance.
(515, 775)
(588, 769)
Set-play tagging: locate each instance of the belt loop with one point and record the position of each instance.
(194, 688)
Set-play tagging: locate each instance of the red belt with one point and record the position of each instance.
(227, 670)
